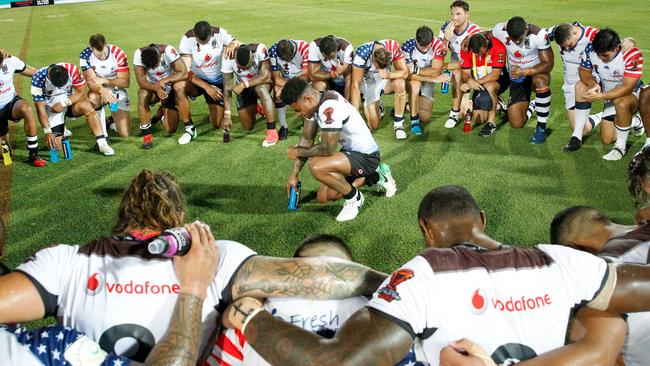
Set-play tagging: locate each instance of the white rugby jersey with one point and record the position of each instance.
(414, 56)
(10, 66)
(168, 56)
(337, 114)
(526, 54)
(344, 54)
(624, 64)
(112, 289)
(571, 58)
(260, 54)
(317, 316)
(206, 58)
(457, 39)
(44, 91)
(363, 56)
(115, 62)
(298, 62)
(513, 302)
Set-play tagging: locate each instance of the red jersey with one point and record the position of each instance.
(483, 65)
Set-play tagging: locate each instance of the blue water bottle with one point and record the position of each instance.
(54, 156)
(444, 87)
(294, 198)
(114, 107)
(67, 151)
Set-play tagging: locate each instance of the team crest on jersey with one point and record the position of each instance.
(479, 302)
(389, 292)
(617, 74)
(5, 69)
(173, 51)
(634, 64)
(214, 43)
(95, 284)
(502, 57)
(328, 115)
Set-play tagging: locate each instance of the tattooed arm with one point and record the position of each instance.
(315, 278)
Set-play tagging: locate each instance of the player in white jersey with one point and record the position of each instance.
(372, 77)
(58, 91)
(453, 32)
(14, 108)
(106, 70)
(424, 56)
(458, 286)
(619, 73)
(530, 61)
(340, 123)
(289, 58)
(162, 77)
(203, 49)
(330, 64)
(122, 296)
(252, 80)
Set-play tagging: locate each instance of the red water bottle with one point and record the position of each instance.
(467, 127)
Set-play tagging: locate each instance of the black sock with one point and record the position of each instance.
(373, 179)
(352, 194)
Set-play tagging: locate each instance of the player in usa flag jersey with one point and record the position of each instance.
(106, 71)
(465, 283)
(371, 77)
(14, 108)
(425, 56)
(330, 62)
(619, 72)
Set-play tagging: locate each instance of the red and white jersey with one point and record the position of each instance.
(10, 66)
(457, 39)
(468, 292)
(260, 55)
(44, 91)
(206, 58)
(415, 57)
(624, 65)
(168, 56)
(317, 316)
(115, 62)
(571, 58)
(293, 67)
(344, 55)
(337, 114)
(113, 289)
(526, 54)
(482, 66)
(363, 56)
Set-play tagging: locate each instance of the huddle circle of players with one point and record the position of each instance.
(327, 81)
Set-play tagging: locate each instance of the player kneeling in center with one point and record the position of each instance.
(329, 64)
(340, 123)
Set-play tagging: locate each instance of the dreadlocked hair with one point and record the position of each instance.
(639, 177)
(153, 201)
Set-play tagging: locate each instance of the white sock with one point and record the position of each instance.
(282, 116)
(647, 142)
(595, 119)
(102, 121)
(453, 113)
(399, 124)
(581, 116)
(621, 137)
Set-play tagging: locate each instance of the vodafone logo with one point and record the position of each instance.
(250, 76)
(97, 283)
(479, 302)
(518, 54)
(207, 57)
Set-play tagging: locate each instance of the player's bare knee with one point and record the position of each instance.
(622, 104)
(319, 85)
(399, 86)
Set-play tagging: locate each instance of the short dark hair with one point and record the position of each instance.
(562, 33)
(424, 35)
(638, 177)
(573, 222)
(606, 40)
(516, 27)
(202, 30)
(293, 90)
(323, 243)
(476, 42)
(328, 45)
(97, 41)
(150, 56)
(460, 4)
(448, 202)
(285, 49)
(243, 56)
(58, 75)
(382, 57)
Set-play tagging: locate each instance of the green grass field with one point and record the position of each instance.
(238, 188)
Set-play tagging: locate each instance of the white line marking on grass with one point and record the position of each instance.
(56, 16)
(7, 20)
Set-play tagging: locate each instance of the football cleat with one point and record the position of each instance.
(386, 181)
(539, 137)
(283, 133)
(36, 160)
(106, 150)
(147, 141)
(488, 130)
(573, 145)
(637, 125)
(452, 121)
(186, 137)
(271, 138)
(400, 134)
(616, 154)
(350, 209)
(416, 129)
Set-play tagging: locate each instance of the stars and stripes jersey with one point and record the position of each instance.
(53, 346)
(363, 56)
(112, 289)
(10, 66)
(627, 64)
(456, 40)
(323, 317)
(335, 114)
(168, 55)
(526, 54)
(481, 66)
(467, 292)
(571, 58)
(417, 58)
(344, 54)
(44, 91)
(260, 55)
(115, 62)
(206, 58)
(293, 67)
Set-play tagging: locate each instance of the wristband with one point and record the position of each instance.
(246, 84)
(528, 72)
(67, 103)
(47, 130)
(226, 113)
(249, 317)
